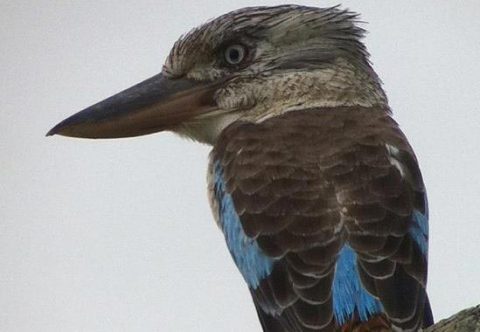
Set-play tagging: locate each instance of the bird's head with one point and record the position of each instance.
(249, 64)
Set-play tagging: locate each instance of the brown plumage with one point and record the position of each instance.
(308, 182)
(378, 323)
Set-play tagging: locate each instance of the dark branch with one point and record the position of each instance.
(467, 320)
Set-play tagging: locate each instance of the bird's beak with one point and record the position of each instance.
(156, 104)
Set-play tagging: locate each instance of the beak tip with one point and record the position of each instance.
(55, 130)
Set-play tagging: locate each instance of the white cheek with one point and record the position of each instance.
(206, 72)
(216, 125)
(235, 97)
(207, 129)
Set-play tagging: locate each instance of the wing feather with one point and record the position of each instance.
(307, 184)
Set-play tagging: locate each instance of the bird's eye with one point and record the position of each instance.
(235, 54)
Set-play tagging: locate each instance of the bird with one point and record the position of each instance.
(315, 187)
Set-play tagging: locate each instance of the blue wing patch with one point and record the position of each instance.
(249, 258)
(419, 230)
(349, 296)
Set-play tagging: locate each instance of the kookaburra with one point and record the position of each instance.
(315, 187)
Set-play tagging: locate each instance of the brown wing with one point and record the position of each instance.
(306, 183)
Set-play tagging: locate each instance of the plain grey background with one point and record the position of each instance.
(117, 235)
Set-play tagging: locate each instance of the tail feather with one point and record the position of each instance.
(269, 323)
(427, 314)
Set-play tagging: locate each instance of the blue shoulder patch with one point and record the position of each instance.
(349, 296)
(419, 230)
(252, 263)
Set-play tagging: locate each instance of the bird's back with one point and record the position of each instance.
(325, 214)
